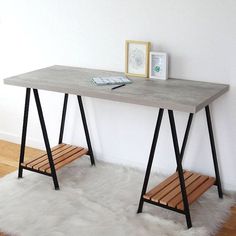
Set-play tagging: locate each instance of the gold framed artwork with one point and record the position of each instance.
(137, 58)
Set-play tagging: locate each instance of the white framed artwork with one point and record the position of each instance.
(136, 58)
(158, 68)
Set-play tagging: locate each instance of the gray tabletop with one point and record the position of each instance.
(174, 94)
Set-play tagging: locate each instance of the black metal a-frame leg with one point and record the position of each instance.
(90, 150)
(24, 130)
(150, 160)
(213, 149)
(63, 118)
(179, 158)
(190, 119)
(46, 141)
(45, 135)
(179, 168)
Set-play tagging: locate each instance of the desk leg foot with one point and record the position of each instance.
(20, 173)
(140, 207)
(55, 182)
(57, 188)
(188, 220)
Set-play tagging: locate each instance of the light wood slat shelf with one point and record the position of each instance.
(169, 193)
(62, 155)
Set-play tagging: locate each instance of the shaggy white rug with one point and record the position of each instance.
(100, 201)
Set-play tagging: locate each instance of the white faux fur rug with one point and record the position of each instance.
(98, 201)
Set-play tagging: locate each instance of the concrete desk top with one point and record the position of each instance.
(175, 94)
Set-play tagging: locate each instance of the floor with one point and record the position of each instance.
(9, 163)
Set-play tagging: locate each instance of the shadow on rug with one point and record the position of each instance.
(100, 201)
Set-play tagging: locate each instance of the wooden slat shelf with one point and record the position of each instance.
(169, 193)
(62, 155)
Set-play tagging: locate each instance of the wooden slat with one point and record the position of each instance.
(169, 191)
(177, 190)
(160, 186)
(61, 157)
(45, 157)
(39, 155)
(177, 199)
(62, 154)
(198, 192)
(54, 156)
(170, 187)
(69, 159)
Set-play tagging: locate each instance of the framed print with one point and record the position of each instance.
(137, 58)
(158, 68)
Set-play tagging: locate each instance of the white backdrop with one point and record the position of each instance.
(199, 36)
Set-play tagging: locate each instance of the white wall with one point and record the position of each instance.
(199, 36)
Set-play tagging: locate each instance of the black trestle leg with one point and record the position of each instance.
(180, 169)
(213, 149)
(90, 150)
(190, 119)
(63, 118)
(150, 160)
(24, 131)
(46, 141)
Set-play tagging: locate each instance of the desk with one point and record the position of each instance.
(177, 191)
